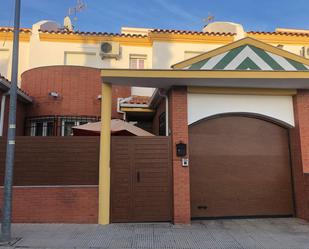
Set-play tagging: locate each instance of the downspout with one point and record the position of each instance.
(164, 95)
(119, 102)
(3, 100)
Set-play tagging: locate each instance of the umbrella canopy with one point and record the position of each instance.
(118, 128)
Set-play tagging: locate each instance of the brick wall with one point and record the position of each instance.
(78, 88)
(159, 111)
(179, 133)
(299, 143)
(61, 204)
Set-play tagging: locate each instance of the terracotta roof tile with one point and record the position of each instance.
(190, 32)
(170, 31)
(66, 32)
(10, 29)
(138, 100)
(278, 33)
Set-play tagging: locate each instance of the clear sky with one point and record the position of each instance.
(109, 16)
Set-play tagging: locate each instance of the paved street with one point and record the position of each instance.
(249, 233)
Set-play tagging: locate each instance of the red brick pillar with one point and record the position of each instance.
(178, 124)
(299, 144)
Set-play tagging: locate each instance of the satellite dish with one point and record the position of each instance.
(67, 23)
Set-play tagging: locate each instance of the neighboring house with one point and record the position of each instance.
(46, 44)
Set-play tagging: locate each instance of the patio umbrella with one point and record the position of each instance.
(118, 128)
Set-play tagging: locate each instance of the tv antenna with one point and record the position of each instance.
(72, 11)
(210, 18)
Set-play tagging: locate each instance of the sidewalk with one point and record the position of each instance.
(247, 233)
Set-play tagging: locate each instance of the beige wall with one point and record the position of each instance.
(6, 48)
(165, 54)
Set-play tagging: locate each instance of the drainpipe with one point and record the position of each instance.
(119, 102)
(2, 113)
(164, 95)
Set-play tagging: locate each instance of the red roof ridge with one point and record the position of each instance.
(138, 100)
(191, 32)
(10, 29)
(67, 32)
(279, 33)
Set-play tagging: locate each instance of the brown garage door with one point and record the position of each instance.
(240, 166)
(140, 179)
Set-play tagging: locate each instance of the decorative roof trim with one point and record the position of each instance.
(10, 29)
(66, 32)
(303, 34)
(190, 32)
(137, 40)
(127, 40)
(6, 33)
(284, 38)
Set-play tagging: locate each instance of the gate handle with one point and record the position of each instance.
(138, 176)
(202, 207)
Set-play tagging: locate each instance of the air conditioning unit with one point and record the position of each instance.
(110, 50)
(305, 52)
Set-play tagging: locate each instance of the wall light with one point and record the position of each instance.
(54, 94)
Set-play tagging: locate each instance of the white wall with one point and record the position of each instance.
(165, 54)
(5, 56)
(295, 49)
(6, 48)
(205, 105)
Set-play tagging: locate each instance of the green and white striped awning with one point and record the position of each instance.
(246, 54)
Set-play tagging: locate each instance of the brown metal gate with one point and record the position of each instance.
(240, 166)
(140, 179)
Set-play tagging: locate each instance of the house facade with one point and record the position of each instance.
(231, 104)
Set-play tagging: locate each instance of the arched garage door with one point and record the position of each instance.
(239, 166)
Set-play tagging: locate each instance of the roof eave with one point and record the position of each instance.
(5, 85)
(167, 78)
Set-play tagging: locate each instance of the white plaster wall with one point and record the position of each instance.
(23, 60)
(165, 54)
(295, 49)
(53, 53)
(205, 105)
(142, 91)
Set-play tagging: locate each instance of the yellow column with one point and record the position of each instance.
(104, 167)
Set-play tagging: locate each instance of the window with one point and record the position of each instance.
(162, 124)
(55, 125)
(42, 128)
(68, 123)
(138, 61)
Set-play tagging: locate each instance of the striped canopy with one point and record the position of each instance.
(249, 55)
